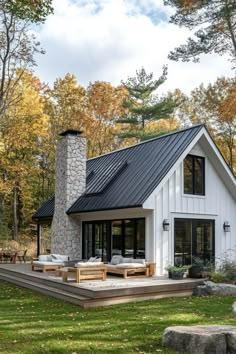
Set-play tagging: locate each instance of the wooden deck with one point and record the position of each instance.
(92, 293)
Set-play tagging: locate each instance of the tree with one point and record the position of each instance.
(215, 21)
(23, 131)
(144, 106)
(34, 11)
(17, 49)
(215, 106)
(104, 103)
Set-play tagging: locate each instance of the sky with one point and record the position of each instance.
(109, 40)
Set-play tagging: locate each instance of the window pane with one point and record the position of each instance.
(183, 242)
(129, 229)
(116, 237)
(88, 241)
(204, 244)
(199, 175)
(188, 175)
(140, 227)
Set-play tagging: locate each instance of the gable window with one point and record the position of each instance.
(194, 175)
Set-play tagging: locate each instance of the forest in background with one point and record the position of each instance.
(32, 114)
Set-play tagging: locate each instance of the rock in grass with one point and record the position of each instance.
(201, 339)
(234, 308)
(220, 289)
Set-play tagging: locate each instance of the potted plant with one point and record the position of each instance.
(177, 272)
(199, 267)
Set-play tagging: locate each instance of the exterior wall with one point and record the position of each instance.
(70, 184)
(126, 214)
(170, 203)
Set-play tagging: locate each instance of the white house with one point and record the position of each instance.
(166, 200)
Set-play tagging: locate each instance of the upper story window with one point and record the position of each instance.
(194, 175)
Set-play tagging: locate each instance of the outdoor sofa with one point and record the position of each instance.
(49, 262)
(129, 267)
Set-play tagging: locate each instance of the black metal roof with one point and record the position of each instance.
(126, 178)
(46, 211)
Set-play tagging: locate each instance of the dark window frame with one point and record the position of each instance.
(193, 175)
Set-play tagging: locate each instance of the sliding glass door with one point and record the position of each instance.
(194, 237)
(114, 237)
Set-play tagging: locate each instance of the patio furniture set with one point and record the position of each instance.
(9, 255)
(94, 268)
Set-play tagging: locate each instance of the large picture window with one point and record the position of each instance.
(194, 175)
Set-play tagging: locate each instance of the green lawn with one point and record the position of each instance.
(34, 323)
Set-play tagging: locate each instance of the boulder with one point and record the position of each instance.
(220, 289)
(200, 290)
(201, 339)
(211, 288)
(234, 308)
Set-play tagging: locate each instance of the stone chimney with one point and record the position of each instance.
(70, 185)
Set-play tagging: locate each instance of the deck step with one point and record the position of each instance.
(45, 289)
(87, 297)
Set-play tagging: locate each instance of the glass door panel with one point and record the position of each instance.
(204, 240)
(140, 232)
(88, 241)
(194, 238)
(129, 233)
(183, 241)
(117, 241)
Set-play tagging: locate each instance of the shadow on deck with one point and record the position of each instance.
(93, 293)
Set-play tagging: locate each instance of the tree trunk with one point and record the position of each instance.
(15, 217)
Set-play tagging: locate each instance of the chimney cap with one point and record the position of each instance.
(71, 132)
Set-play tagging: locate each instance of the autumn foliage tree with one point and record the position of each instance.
(22, 132)
(104, 104)
(214, 106)
(17, 50)
(33, 10)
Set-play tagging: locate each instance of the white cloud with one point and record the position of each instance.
(110, 39)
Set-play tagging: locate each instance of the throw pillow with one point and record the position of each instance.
(116, 259)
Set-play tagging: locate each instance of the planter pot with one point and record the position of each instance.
(177, 275)
(195, 271)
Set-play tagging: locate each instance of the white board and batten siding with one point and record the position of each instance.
(171, 203)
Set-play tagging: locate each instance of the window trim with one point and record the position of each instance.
(193, 192)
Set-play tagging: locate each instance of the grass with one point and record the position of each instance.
(37, 324)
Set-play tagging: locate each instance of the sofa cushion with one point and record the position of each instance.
(127, 260)
(139, 260)
(59, 258)
(130, 265)
(45, 258)
(45, 263)
(116, 259)
(88, 264)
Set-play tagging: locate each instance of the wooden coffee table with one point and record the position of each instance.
(81, 273)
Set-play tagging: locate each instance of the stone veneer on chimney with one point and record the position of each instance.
(70, 185)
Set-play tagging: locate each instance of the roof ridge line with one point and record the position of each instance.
(147, 141)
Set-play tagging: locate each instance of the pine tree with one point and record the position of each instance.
(144, 106)
(215, 24)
